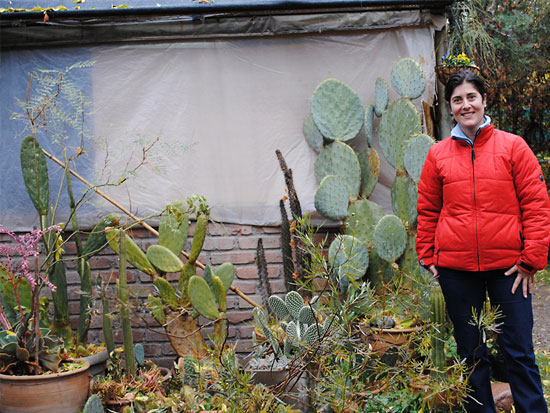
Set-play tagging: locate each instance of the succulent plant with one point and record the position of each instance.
(407, 78)
(312, 135)
(93, 405)
(404, 147)
(340, 160)
(337, 110)
(18, 349)
(332, 198)
(348, 257)
(439, 327)
(381, 96)
(389, 238)
(298, 320)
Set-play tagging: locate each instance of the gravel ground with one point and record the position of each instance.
(541, 314)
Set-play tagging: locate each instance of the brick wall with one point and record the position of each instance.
(224, 243)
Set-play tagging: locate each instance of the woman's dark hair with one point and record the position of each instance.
(462, 77)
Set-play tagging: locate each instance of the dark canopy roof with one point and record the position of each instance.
(61, 22)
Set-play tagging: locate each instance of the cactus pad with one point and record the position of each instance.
(307, 315)
(97, 240)
(156, 306)
(278, 307)
(415, 155)
(218, 289)
(404, 196)
(35, 174)
(336, 110)
(226, 272)
(390, 238)
(167, 292)
(311, 334)
(399, 123)
(93, 405)
(164, 259)
(407, 78)
(312, 134)
(173, 227)
(370, 170)
(134, 253)
(363, 215)
(381, 96)
(332, 198)
(294, 303)
(202, 298)
(348, 256)
(339, 159)
(293, 332)
(369, 123)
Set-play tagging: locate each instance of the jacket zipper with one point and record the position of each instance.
(475, 204)
(471, 145)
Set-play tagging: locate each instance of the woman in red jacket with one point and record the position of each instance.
(484, 229)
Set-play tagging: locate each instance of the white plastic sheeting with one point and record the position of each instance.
(219, 108)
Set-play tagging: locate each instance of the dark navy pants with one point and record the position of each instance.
(464, 291)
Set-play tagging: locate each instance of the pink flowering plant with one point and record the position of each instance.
(26, 346)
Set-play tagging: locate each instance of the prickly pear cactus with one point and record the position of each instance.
(312, 135)
(134, 254)
(337, 110)
(363, 215)
(404, 196)
(202, 298)
(407, 78)
(390, 238)
(380, 96)
(93, 405)
(369, 123)
(399, 123)
(332, 198)
(370, 170)
(339, 159)
(164, 259)
(173, 227)
(415, 155)
(348, 256)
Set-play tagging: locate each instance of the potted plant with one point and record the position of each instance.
(450, 64)
(31, 363)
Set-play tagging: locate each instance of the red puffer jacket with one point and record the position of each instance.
(483, 206)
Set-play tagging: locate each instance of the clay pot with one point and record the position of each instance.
(64, 392)
(98, 363)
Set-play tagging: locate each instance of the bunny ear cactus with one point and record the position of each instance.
(298, 320)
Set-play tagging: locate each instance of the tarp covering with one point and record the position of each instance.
(214, 110)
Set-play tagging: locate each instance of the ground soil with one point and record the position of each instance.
(541, 314)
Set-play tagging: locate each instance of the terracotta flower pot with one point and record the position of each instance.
(98, 362)
(64, 392)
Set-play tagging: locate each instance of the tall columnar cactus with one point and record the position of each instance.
(343, 187)
(439, 327)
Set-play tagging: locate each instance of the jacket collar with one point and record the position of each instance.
(457, 133)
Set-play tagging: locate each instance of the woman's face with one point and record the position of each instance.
(468, 108)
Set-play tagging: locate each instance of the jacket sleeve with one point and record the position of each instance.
(430, 201)
(534, 205)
